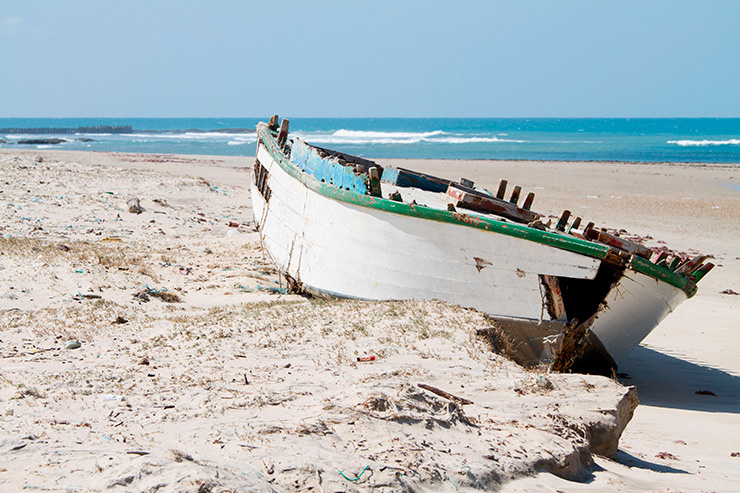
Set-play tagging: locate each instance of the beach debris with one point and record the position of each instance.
(182, 456)
(734, 454)
(137, 452)
(144, 361)
(233, 224)
(544, 383)
(272, 289)
(73, 344)
(134, 206)
(442, 393)
(366, 358)
(62, 247)
(120, 320)
(705, 392)
(666, 456)
(142, 295)
(162, 202)
(729, 291)
(80, 296)
(162, 294)
(354, 480)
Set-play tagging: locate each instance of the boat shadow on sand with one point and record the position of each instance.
(663, 380)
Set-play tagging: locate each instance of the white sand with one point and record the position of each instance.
(265, 389)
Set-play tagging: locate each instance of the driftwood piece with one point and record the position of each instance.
(442, 393)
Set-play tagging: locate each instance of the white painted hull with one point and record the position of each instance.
(634, 307)
(338, 248)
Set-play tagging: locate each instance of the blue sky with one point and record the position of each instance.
(514, 58)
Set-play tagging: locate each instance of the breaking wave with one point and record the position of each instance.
(704, 143)
(360, 137)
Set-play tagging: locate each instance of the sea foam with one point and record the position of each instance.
(703, 143)
(361, 137)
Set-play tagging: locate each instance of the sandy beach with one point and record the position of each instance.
(157, 351)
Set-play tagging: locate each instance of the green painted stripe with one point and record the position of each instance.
(663, 274)
(556, 240)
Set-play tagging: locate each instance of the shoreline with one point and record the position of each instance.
(543, 161)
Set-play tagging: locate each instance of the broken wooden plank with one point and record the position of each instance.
(617, 242)
(554, 298)
(478, 201)
(446, 395)
(691, 265)
(402, 177)
(702, 271)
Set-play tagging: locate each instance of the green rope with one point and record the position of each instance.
(358, 476)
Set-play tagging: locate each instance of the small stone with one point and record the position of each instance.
(73, 344)
(134, 206)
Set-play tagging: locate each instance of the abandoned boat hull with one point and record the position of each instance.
(337, 247)
(329, 234)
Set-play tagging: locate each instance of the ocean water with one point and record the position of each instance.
(678, 140)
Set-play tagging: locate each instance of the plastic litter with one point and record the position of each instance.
(358, 476)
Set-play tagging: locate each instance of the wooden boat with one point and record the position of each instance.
(565, 295)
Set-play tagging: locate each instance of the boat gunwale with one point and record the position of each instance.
(556, 240)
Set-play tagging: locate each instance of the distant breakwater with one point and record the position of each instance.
(112, 129)
(97, 129)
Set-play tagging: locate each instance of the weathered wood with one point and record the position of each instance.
(702, 271)
(446, 395)
(660, 258)
(403, 177)
(576, 223)
(477, 201)
(528, 201)
(560, 226)
(374, 187)
(554, 298)
(283, 134)
(501, 189)
(273, 125)
(617, 242)
(691, 265)
(515, 194)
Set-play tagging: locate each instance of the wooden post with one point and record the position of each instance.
(515, 194)
(501, 189)
(560, 226)
(374, 188)
(273, 125)
(528, 201)
(283, 134)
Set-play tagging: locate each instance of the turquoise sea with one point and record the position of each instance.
(675, 140)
